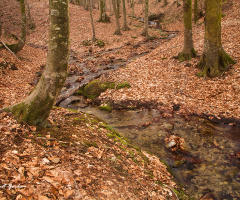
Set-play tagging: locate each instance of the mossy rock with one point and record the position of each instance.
(95, 88)
(123, 85)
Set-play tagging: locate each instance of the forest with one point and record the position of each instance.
(119, 99)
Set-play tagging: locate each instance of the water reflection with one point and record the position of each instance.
(210, 164)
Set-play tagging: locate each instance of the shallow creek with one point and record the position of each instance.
(209, 164)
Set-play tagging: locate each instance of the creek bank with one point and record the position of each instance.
(206, 163)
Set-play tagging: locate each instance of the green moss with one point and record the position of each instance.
(86, 42)
(110, 135)
(95, 88)
(88, 143)
(105, 107)
(187, 56)
(100, 43)
(123, 85)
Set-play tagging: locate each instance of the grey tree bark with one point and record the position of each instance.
(36, 107)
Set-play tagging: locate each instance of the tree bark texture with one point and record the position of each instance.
(195, 11)
(21, 42)
(188, 49)
(125, 26)
(214, 58)
(36, 107)
(91, 16)
(103, 15)
(145, 28)
(117, 31)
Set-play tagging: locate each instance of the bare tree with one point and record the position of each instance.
(21, 42)
(91, 16)
(188, 49)
(103, 15)
(214, 58)
(145, 28)
(132, 5)
(125, 26)
(117, 31)
(36, 107)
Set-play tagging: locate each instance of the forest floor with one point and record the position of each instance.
(80, 157)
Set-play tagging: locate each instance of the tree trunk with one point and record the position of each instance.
(188, 49)
(214, 58)
(132, 5)
(145, 29)
(165, 3)
(35, 108)
(125, 26)
(117, 31)
(21, 42)
(118, 7)
(103, 15)
(32, 24)
(91, 16)
(195, 11)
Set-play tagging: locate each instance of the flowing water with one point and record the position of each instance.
(209, 163)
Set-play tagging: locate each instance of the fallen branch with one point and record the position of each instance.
(9, 50)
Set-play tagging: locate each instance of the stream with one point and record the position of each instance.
(204, 156)
(208, 166)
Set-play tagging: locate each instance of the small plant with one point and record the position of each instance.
(86, 42)
(100, 43)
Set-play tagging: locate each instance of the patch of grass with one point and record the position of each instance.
(105, 107)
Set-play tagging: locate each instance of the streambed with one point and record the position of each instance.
(208, 166)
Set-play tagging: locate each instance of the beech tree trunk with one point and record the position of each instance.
(91, 16)
(36, 107)
(165, 3)
(117, 31)
(103, 15)
(132, 5)
(125, 26)
(214, 58)
(21, 42)
(188, 49)
(195, 11)
(31, 23)
(145, 28)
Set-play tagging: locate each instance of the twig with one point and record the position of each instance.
(9, 50)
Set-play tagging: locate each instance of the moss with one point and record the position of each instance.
(110, 135)
(100, 43)
(187, 56)
(95, 88)
(105, 107)
(86, 42)
(88, 143)
(123, 85)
